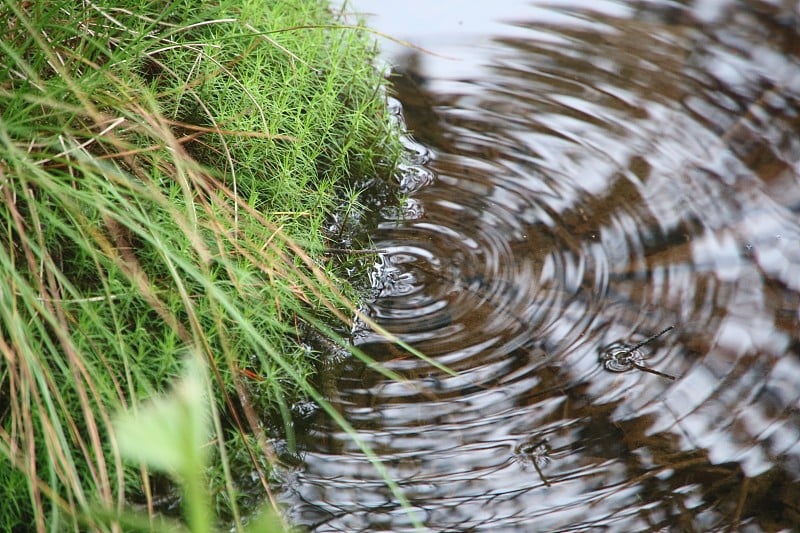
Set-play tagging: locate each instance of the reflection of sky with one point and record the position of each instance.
(443, 28)
(464, 33)
(736, 395)
(433, 24)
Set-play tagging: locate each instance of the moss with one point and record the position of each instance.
(167, 170)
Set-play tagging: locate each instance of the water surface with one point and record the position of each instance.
(588, 174)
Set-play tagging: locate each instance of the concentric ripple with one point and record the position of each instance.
(608, 175)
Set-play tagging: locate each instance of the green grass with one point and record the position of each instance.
(167, 170)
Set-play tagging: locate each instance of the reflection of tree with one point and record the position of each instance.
(419, 103)
(674, 486)
(759, 134)
(636, 106)
(611, 84)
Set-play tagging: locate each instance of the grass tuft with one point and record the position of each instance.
(167, 170)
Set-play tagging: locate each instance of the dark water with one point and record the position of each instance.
(586, 176)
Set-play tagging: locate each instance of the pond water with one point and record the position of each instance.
(602, 238)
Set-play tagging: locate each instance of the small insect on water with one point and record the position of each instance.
(621, 357)
(535, 453)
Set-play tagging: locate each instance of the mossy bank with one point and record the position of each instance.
(166, 173)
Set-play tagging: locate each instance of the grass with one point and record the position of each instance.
(167, 173)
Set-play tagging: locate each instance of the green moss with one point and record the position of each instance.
(166, 171)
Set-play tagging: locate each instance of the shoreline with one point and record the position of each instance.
(170, 172)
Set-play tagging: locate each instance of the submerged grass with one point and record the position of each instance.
(166, 173)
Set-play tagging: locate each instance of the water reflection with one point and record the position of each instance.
(609, 173)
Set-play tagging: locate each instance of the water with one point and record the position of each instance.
(589, 174)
